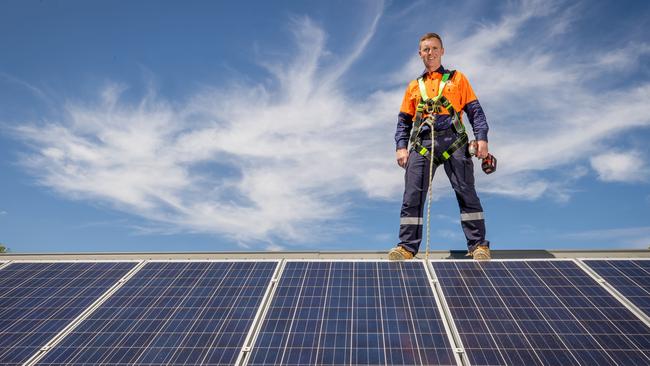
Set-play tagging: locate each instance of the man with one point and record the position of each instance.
(436, 100)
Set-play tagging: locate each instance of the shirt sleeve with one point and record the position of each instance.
(405, 119)
(403, 131)
(473, 109)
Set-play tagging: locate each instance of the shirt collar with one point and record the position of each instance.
(441, 70)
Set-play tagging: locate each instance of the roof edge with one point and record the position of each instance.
(435, 254)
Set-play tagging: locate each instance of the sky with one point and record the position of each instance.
(269, 125)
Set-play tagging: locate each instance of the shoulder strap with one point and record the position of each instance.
(423, 89)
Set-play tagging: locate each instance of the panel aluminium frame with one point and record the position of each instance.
(448, 319)
(251, 337)
(431, 292)
(4, 264)
(611, 289)
(89, 310)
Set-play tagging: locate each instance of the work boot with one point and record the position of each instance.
(481, 253)
(399, 254)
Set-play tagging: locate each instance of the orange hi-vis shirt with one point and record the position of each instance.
(457, 90)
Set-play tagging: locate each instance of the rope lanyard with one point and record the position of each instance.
(431, 122)
(433, 143)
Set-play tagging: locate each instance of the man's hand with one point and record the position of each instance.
(402, 157)
(482, 149)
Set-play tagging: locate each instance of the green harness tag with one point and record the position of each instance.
(423, 151)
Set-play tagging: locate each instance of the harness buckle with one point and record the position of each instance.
(429, 106)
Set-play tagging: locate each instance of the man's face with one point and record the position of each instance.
(431, 52)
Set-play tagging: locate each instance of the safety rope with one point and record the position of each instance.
(431, 164)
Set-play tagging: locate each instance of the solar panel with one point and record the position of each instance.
(539, 313)
(171, 313)
(629, 277)
(353, 313)
(37, 300)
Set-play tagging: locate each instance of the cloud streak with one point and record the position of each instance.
(635, 237)
(545, 114)
(620, 167)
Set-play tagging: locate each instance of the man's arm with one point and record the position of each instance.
(402, 135)
(480, 127)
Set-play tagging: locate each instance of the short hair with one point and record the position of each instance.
(429, 36)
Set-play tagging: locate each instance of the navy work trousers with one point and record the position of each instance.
(460, 170)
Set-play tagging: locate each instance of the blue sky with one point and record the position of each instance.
(227, 126)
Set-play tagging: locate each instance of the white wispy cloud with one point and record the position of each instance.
(620, 167)
(449, 234)
(544, 113)
(275, 173)
(633, 237)
(269, 173)
(275, 248)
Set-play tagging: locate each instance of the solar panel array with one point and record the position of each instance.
(539, 313)
(37, 300)
(346, 312)
(630, 277)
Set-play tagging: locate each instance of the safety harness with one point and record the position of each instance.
(431, 106)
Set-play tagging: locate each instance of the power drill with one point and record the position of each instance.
(489, 163)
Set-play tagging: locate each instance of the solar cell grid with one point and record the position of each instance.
(37, 300)
(630, 277)
(171, 313)
(352, 313)
(539, 313)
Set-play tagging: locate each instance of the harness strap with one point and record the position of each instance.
(441, 86)
(417, 123)
(439, 160)
(429, 105)
(455, 117)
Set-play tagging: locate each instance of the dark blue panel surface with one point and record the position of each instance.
(353, 313)
(630, 277)
(171, 313)
(37, 300)
(539, 313)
